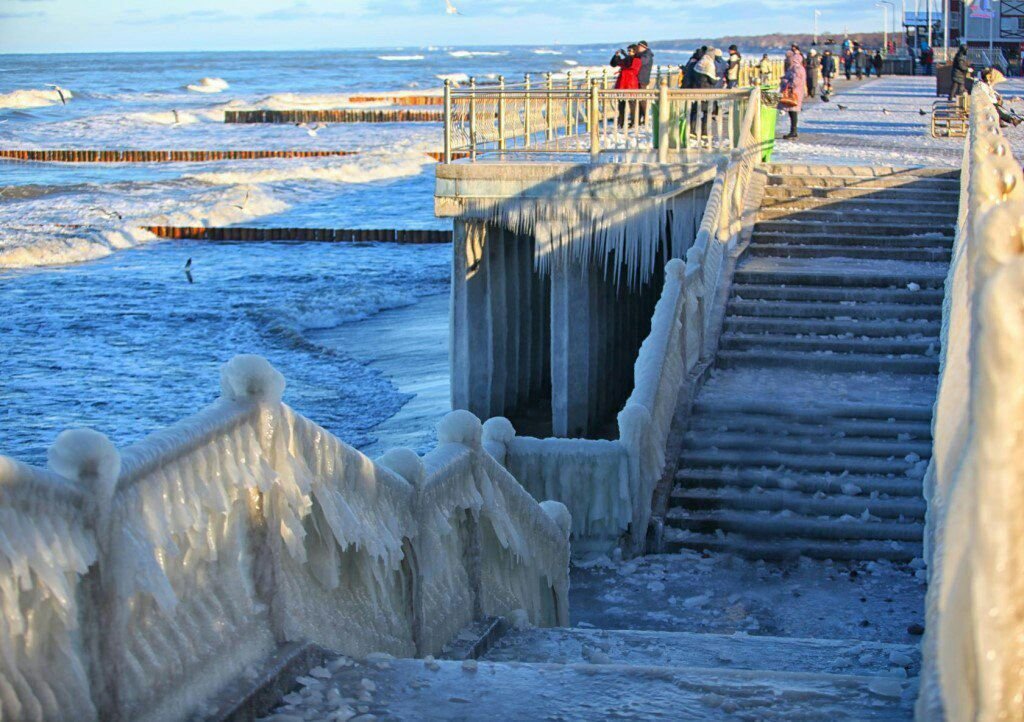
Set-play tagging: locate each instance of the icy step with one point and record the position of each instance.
(769, 441)
(804, 482)
(921, 221)
(836, 294)
(776, 500)
(928, 193)
(854, 227)
(850, 327)
(897, 209)
(822, 412)
(938, 184)
(810, 277)
(770, 358)
(685, 649)
(822, 309)
(898, 347)
(783, 524)
(848, 251)
(934, 241)
(789, 549)
(779, 423)
(764, 458)
(409, 689)
(858, 172)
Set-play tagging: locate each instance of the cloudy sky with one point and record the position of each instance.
(114, 25)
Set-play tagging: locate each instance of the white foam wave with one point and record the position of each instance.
(545, 51)
(208, 85)
(476, 53)
(29, 246)
(571, 62)
(20, 99)
(455, 78)
(365, 168)
(166, 117)
(400, 58)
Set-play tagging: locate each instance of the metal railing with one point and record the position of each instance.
(589, 118)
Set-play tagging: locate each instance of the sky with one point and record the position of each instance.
(46, 26)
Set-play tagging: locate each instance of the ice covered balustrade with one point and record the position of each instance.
(136, 583)
(582, 301)
(974, 644)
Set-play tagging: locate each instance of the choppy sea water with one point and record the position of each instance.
(100, 326)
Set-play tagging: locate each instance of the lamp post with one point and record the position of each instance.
(885, 23)
(945, 31)
(817, 14)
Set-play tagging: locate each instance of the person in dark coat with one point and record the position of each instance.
(644, 77)
(961, 71)
(848, 62)
(689, 78)
(927, 59)
(858, 61)
(732, 73)
(877, 63)
(828, 71)
(813, 73)
(628, 63)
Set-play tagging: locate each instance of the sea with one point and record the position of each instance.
(102, 328)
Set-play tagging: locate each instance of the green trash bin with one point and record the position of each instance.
(682, 121)
(769, 118)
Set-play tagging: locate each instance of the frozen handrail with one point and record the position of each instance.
(973, 657)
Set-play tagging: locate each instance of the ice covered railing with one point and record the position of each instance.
(974, 644)
(135, 584)
(608, 485)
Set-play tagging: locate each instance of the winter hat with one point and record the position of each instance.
(813, 51)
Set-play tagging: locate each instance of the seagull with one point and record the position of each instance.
(841, 106)
(451, 9)
(886, 111)
(108, 213)
(922, 112)
(188, 270)
(314, 129)
(176, 118)
(60, 92)
(239, 207)
(188, 264)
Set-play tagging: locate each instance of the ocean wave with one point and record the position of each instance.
(208, 85)
(303, 101)
(455, 78)
(400, 58)
(545, 51)
(365, 168)
(34, 98)
(29, 246)
(476, 53)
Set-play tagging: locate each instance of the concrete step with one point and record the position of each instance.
(782, 424)
(804, 309)
(786, 277)
(928, 193)
(936, 183)
(686, 649)
(804, 482)
(860, 172)
(811, 344)
(789, 549)
(776, 500)
(805, 463)
(761, 525)
(902, 210)
(921, 221)
(836, 294)
(823, 412)
(933, 241)
(841, 446)
(855, 227)
(411, 689)
(838, 327)
(826, 362)
(847, 251)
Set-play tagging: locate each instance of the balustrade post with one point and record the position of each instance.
(549, 111)
(570, 107)
(664, 120)
(527, 120)
(501, 112)
(595, 129)
(472, 118)
(447, 121)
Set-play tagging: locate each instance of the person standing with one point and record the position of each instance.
(927, 59)
(732, 73)
(813, 73)
(858, 60)
(628, 64)
(877, 62)
(848, 62)
(961, 71)
(765, 69)
(793, 90)
(828, 71)
(644, 77)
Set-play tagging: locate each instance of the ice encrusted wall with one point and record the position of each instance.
(974, 645)
(134, 585)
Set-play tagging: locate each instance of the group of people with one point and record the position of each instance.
(860, 62)
(635, 64)
(963, 81)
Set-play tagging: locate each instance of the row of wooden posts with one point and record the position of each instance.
(173, 156)
(357, 115)
(319, 235)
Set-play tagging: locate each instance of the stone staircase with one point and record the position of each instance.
(812, 435)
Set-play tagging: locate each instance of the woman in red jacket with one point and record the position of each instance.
(628, 62)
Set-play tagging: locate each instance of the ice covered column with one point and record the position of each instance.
(471, 350)
(570, 349)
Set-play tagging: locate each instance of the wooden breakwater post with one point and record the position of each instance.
(376, 115)
(302, 235)
(176, 156)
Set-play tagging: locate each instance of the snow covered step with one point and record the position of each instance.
(858, 172)
(788, 549)
(921, 221)
(810, 277)
(937, 183)
(836, 294)
(766, 459)
(776, 500)
(896, 347)
(910, 191)
(803, 309)
(823, 412)
(855, 227)
(785, 524)
(842, 446)
(807, 483)
(686, 649)
(410, 689)
(848, 251)
(934, 241)
(832, 327)
(782, 424)
(828, 361)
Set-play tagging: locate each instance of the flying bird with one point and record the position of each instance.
(188, 270)
(176, 118)
(188, 264)
(108, 213)
(239, 207)
(314, 129)
(450, 9)
(60, 93)
(841, 106)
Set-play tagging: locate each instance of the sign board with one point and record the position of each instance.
(982, 9)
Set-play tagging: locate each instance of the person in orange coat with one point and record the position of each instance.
(629, 63)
